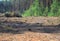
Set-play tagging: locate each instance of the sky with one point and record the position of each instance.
(2, 0)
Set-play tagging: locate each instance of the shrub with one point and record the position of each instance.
(45, 13)
(12, 14)
(9, 14)
(54, 8)
(34, 10)
(17, 15)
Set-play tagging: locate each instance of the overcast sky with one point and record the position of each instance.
(2, 0)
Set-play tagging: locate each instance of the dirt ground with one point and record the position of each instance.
(30, 29)
(30, 36)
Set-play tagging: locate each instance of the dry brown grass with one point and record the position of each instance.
(43, 20)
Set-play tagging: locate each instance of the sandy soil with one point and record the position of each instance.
(30, 36)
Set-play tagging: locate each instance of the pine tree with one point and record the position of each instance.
(58, 13)
(45, 13)
(54, 8)
(34, 10)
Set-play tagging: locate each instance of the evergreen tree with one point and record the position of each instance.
(58, 13)
(54, 8)
(45, 13)
(34, 10)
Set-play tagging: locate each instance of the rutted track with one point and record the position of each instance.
(30, 29)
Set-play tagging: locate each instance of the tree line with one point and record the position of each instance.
(31, 7)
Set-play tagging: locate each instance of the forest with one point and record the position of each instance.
(26, 8)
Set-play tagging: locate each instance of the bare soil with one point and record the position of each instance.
(30, 29)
